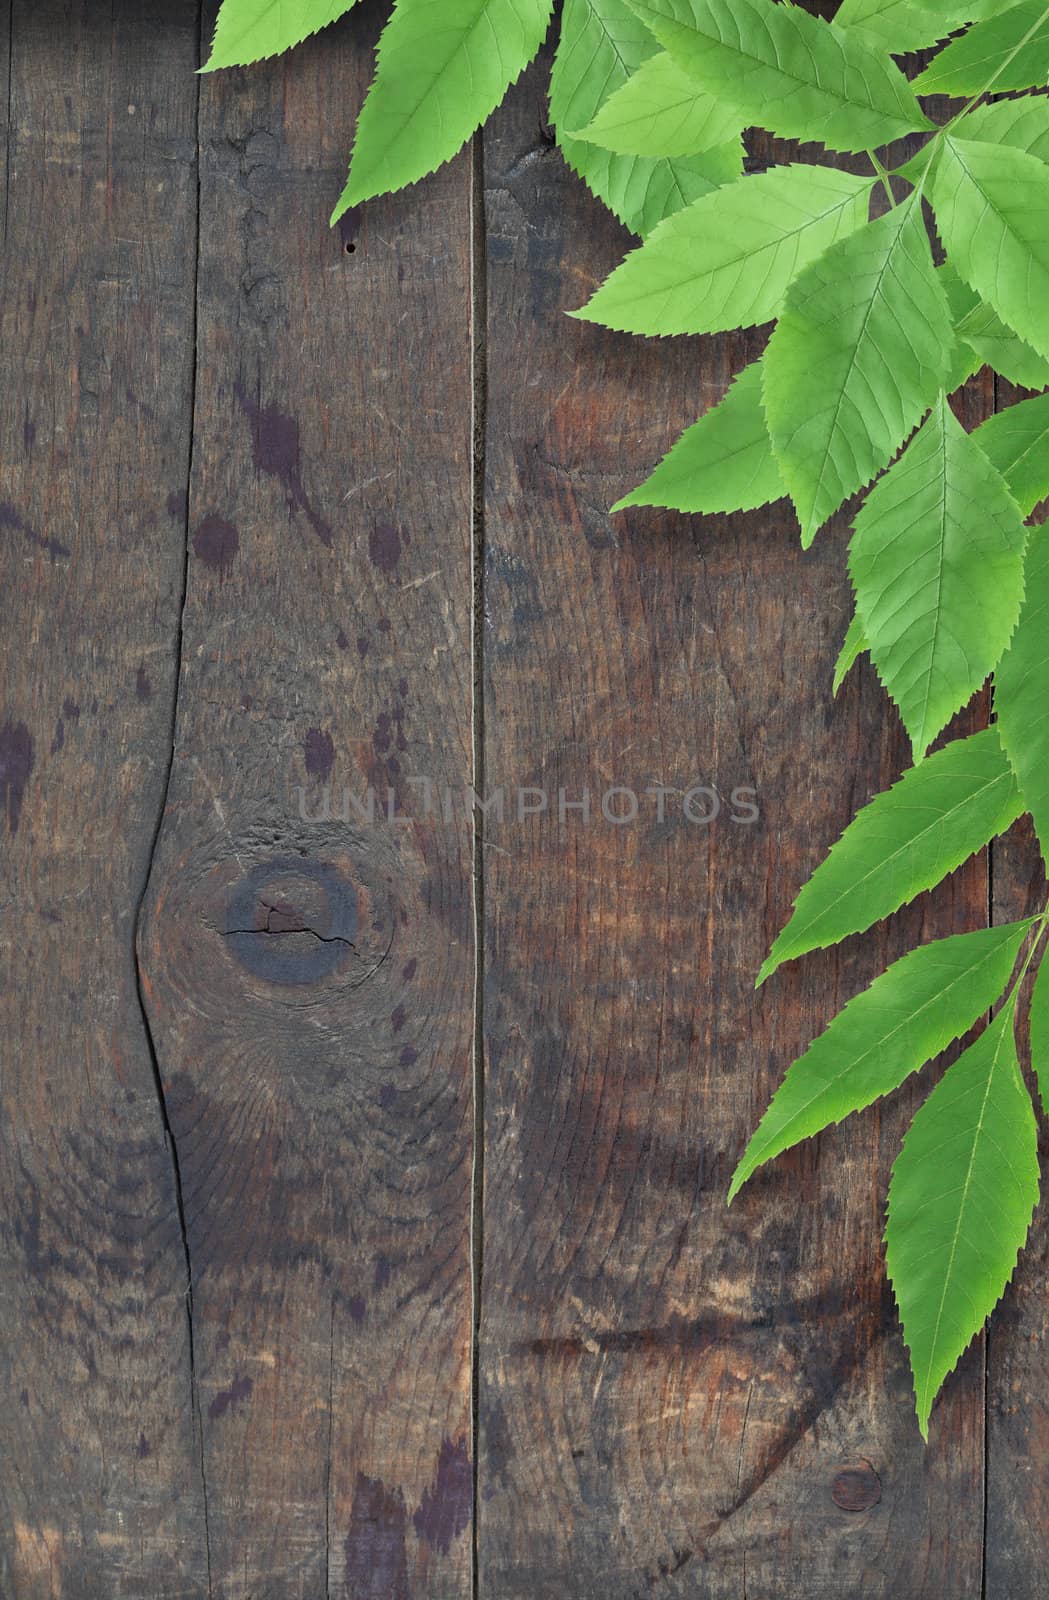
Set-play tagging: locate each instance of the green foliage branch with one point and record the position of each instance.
(878, 319)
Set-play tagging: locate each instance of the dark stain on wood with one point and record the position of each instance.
(376, 1560)
(216, 543)
(16, 764)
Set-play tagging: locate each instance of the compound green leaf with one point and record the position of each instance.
(983, 330)
(853, 646)
(660, 111)
(905, 841)
(251, 30)
(724, 462)
(859, 354)
(1039, 1020)
(992, 210)
(786, 71)
(963, 1191)
(1021, 691)
(1007, 51)
(904, 25)
(913, 1011)
(727, 260)
(1016, 441)
(443, 67)
(602, 44)
(1022, 123)
(937, 565)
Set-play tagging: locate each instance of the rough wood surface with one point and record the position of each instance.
(309, 982)
(674, 1399)
(235, 1175)
(1017, 1527)
(100, 1483)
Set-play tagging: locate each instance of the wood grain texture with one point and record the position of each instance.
(675, 1399)
(309, 981)
(1017, 1526)
(100, 1492)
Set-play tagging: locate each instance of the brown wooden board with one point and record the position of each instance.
(100, 1491)
(1017, 1526)
(675, 1399)
(309, 982)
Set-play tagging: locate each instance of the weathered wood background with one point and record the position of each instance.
(362, 1225)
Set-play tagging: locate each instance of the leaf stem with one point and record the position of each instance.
(883, 176)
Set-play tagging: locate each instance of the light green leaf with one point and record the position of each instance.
(960, 300)
(913, 1011)
(443, 67)
(602, 44)
(963, 1191)
(1021, 691)
(853, 646)
(983, 330)
(902, 843)
(858, 355)
(783, 70)
(992, 210)
(1008, 51)
(1016, 440)
(251, 30)
(1039, 1020)
(660, 111)
(937, 565)
(724, 462)
(982, 338)
(1022, 123)
(904, 25)
(727, 261)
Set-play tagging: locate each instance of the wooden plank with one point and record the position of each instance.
(1017, 1526)
(100, 1491)
(310, 981)
(674, 1398)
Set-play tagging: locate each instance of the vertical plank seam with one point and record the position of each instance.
(478, 421)
(327, 1474)
(10, 95)
(169, 1138)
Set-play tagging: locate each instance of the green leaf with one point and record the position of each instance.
(963, 1191)
(904, 25)
(724, 462)
(602, 44)
(251, 30)
(660, 111)
(983, 338)
(1016, 440)
(960, 300)
(443, 67)
(983, 330)
(1022, 123)
(783, 70)
(728, 260)
(913, 1011)
(902, 843)
(1008, 51)
(1039, 1020)
(1021, 691)
(853, 646)
(858, 355)
(992, 210)
(937, 565)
